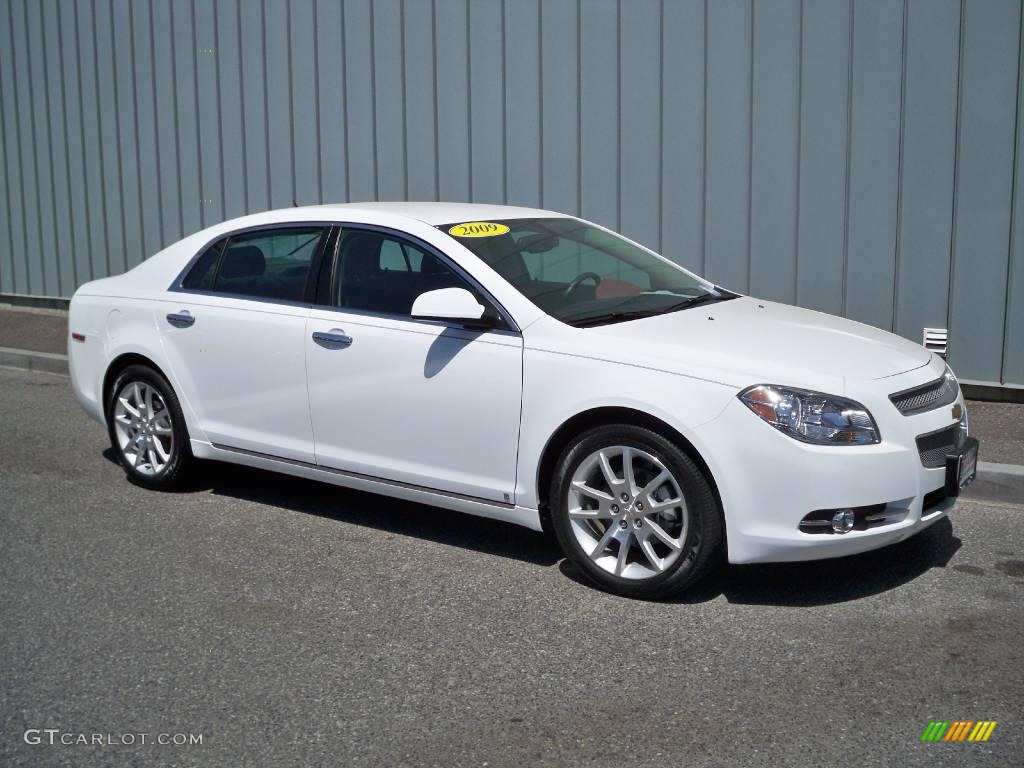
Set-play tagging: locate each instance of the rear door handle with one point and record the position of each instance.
(333, 339)
(181, 319)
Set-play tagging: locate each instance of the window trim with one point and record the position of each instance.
(308, 292)
(506, 323)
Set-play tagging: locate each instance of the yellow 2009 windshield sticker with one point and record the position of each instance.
(478, 229)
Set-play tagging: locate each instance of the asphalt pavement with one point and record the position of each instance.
(293, 623)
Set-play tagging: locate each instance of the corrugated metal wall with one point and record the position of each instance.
(857, 157)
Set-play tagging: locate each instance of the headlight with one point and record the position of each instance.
(812, 417)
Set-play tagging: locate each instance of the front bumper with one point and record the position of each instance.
(769, 482)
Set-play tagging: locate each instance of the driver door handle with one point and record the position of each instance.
(333, 339)
(181, 319)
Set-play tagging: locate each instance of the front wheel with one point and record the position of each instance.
(147, 429)
(634, 513)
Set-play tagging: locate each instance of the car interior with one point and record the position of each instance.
(378, 273)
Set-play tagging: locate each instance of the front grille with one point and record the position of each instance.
(926, 397)
(934, 447)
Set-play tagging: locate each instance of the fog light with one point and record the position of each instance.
(843, 520)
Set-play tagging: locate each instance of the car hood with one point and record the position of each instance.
(745, 341)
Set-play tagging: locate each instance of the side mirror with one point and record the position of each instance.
(456, 304)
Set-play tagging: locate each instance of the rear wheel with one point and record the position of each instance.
(147, 429)
(634, 513)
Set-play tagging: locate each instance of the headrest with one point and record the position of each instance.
(361, 256)
(242, 261)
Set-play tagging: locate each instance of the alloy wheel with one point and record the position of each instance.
(627, 512)
(143, 428)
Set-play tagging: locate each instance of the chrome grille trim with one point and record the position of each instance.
(926, 397)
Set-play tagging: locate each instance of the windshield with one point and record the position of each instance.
(580, 274)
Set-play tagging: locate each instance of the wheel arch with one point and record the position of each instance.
(604, 416)
(117, 365)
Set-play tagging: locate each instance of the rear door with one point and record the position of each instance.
(234, 333)
(426, 403)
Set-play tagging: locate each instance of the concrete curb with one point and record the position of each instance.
(27, 360)
(995, 482)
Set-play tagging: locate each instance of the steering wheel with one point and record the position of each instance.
(578, 280)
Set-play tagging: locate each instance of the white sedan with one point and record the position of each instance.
(529, 367)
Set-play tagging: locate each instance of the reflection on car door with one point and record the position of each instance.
(417, 402)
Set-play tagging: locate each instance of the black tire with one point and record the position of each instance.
(702, 543)
(181, 461)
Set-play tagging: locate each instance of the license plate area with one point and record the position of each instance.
(962, 468)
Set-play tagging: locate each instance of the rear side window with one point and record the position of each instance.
(200, 277)
(266, 264)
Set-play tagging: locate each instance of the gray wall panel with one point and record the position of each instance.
(487, 103)
(823, 155)
(110, 122)
(640, 110)
(59, 166)
(855, 156)
(775, 149)
(190, 150)
(150, 202)
(453, 139)
(123, 35)
(559, 106)
(522, 112)
(1013, 342)
(79, 224)
(38, 99)
(727, 189)
(875, 98)
(232, 130)
(420, 135)
(924, 238)
(599, 112)
(208, 106)
(254, 105)
(279, 103)
(682, 125)
(331, 102)
(14, 262)
(988, 102)
(33, 256)
(305, 125)
(389, 115)
(6, 276)
(95, 168)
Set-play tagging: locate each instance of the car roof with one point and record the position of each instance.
(434, 213)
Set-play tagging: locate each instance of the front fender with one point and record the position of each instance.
(558, 387)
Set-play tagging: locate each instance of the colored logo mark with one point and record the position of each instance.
(958, 730)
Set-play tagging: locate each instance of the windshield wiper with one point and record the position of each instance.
(611, 317)
(696, 301)
(617, 316)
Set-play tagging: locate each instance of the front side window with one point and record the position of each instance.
(265, 264)
(379, 273)
(583, 275)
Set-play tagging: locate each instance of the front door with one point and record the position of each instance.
(412, 401)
